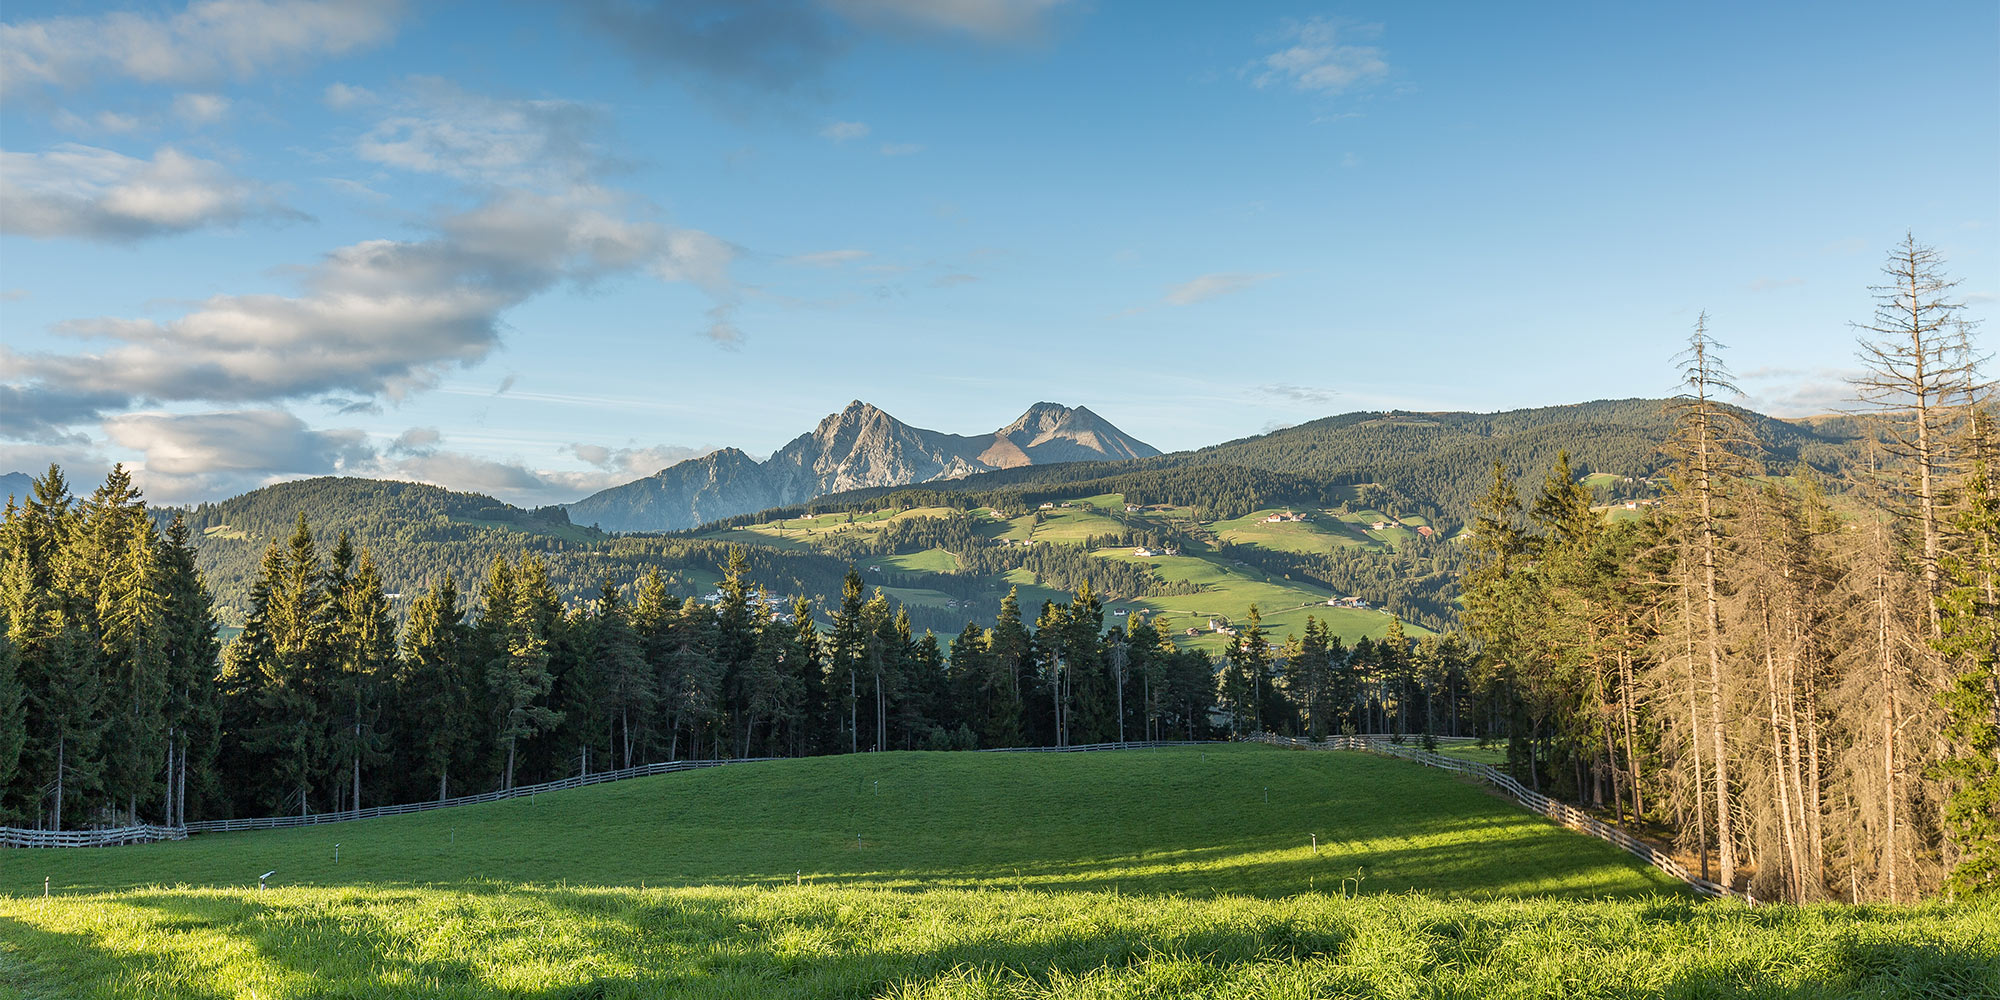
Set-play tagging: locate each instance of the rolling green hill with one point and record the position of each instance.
(1175, 820)
(1142, 873)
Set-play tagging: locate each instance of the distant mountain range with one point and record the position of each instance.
(16, 485)
(858, 448)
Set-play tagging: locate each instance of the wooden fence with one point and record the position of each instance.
(1562, 812)
(145, 833)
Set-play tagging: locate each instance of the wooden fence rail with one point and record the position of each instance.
(145, 833)
(1562, 812)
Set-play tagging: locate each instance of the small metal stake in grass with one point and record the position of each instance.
(1267, 795)
(799, 877)
(1315, 838)
(263, 877)
(45, 887)
(336, 854)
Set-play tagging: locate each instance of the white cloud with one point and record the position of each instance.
(381, 318)
(191, 455)
(632, 463)
(342, 97)
(441, 129)
(829, 258)
(1210, 286)
(1317, 60)
(206, 40)
(843, 131)
(201, 109)
(91, 193)
(103, 121)
(1796, 392)
(1304, 394)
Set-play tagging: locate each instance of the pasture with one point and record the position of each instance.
(1154, 873)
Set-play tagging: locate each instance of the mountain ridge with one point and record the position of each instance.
(860, 447)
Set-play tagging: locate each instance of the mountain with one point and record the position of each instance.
(1434, 463)
(861, 447)
(16, 485)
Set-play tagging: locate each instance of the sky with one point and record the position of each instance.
(538, 249)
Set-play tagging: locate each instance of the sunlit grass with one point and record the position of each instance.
(1163, 873)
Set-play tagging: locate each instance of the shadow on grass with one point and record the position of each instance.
(36, 962)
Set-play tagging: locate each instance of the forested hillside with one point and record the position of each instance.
(1430, 463)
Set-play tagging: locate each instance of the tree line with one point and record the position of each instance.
(1797, 685)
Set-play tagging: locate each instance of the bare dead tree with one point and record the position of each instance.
(1708, 445)
(1923, 373)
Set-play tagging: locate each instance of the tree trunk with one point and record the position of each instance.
(1888, 669)
(62, 744)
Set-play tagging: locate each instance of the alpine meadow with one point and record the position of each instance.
(538, 501)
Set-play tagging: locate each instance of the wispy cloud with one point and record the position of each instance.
(381, 318)
(1210, 286)
(83, 192)
(201, 109)
(1286, 391)
(207, 40)
(1774, 284)
(844, 131)
(828, 258)
(1318, 59)
(439, 128)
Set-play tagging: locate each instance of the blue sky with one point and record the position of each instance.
(537, 249)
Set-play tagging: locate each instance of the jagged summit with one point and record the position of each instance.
(859, 447)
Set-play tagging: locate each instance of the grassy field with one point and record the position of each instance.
(1137, 874)
(1230, 819)
(1229, 590)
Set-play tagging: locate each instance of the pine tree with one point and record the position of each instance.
(518, 675)
(1008, 645)
(1970, 627)
(193, 708)
(437, 687)
(363, 660)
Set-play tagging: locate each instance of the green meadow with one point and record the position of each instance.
(1156, 873)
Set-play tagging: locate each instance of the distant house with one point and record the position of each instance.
(1425, 530)
(1120, 613)
(1049, 506)
(1379, 526)
(1131, 508)
(874, 569)
(1631, 505)
(1286, 515)
(1194, 631)
(1172, 550)
(1144, 552)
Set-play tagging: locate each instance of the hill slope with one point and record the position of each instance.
(1175, 820)
(860, 447)
(1433, 464)
(1142, 873)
